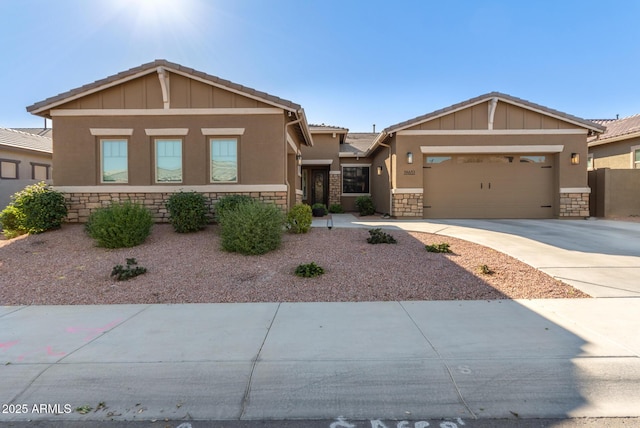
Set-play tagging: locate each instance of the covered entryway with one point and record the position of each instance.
(315, 185)
(489, 185)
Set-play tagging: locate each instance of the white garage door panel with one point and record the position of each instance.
(489, 186)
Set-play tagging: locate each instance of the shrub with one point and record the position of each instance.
(438, 248)
(485, 270)
(120, 225)
(230, 202)
(365, 206)
(11, 220)
(39, 208)
(132, 270)
(336, 209)
(299, 218)
(380, 237)
(309, 270)
(187, 211)
(251, 228)
(319, 209)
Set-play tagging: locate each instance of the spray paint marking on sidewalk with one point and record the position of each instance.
(93, 331)
(341, 422)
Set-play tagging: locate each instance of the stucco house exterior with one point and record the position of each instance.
(160, 128)
(25, 159)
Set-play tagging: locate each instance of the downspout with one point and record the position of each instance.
(390, 178)
(286, 146)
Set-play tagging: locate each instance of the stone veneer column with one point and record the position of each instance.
(407, 204)
(574, 202)
(335, 187)
(81, 205)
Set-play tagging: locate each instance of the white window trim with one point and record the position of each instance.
(222, 131)
(237, 180)
(351, 165)
(592, 159)
(155, 161)
(167, 132)
(111, 132)
(634, 165)
(101, 167)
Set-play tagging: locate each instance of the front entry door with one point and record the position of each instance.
(319, 186)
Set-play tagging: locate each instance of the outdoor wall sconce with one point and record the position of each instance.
(575, 158)
(409, 157)
(379, 170)
(299, 158)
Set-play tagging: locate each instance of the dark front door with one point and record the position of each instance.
(319, 186)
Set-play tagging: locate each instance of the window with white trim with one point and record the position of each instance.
(9, 169)
(114, 166)
(355, 179)
(590, 162)
(168, 160)
(224, 160)
(636, 157)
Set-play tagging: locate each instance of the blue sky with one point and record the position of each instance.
(348, 63)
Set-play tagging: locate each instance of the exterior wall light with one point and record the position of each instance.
(409, 157)
(379, 170)
(299, 158)
(575, 159)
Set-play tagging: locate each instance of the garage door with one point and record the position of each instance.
(489, 186)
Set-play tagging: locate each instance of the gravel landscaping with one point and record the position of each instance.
(64, 267)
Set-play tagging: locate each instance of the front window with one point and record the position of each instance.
(114, 166)
(168, 161)
(636, 158)
(355, 179)
(224, 160)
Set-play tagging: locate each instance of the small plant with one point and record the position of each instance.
(187, 211)
(309, 270)
(251, 228)
(230, 202)
(336, 209)
(35, 209)
(120, 225)
(365, 206)
(299, 219)
(485, 270)
(122, 273)
(319, 210)
(380, 237)
(438, 248)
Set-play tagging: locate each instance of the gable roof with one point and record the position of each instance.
(43, 132)
(23, 140)
(41, 107)
(501, 97)
(617, 129)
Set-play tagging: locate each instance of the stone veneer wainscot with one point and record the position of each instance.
(407, 204)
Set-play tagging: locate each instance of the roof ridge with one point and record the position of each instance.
(27, 134)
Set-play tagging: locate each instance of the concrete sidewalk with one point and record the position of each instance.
(384, 360)
(599, 257)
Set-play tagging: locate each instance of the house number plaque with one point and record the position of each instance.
(409, 172)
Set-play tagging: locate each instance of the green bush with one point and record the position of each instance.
(299, 218)
(336, 209)
(309, 270)
(38, 208)
(120, 225)
(122, 273)
(251, 228)
(365, 206)
(319, 210)
(377, 236)
(438, 248)
(187, 211)
(11, 220)
(485, 270)
(230, 202)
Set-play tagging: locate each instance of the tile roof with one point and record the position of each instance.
(504, 97)
(326, 128)
(42, 106)
(617, 129)
(43, 132)
(358, 142)
(24, 140)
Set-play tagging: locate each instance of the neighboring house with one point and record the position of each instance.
(160, 128)
(25, 159)
(614, 168)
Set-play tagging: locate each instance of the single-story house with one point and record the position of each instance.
(25, 159)
(614, 168)
(159, 128)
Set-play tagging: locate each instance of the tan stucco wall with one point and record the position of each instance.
(10, 186)
(325, 147)
(616, 155)
(261, 148)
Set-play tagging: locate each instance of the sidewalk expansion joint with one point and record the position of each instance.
(254, 362)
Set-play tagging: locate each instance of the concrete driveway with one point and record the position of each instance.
(599, 257)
